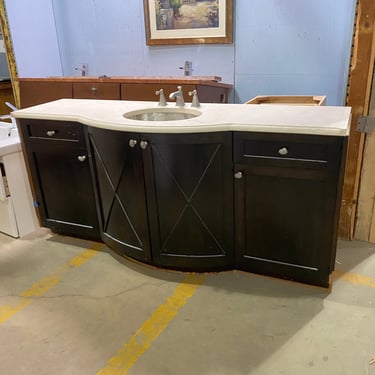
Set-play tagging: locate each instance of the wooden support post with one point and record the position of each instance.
(10, 54)
(365, 217)
(357, 98)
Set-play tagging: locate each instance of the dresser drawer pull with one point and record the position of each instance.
(283, 151)
(81, 158)
(51, 133)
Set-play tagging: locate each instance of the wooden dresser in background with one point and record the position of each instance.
(6, 95)
(35, 91)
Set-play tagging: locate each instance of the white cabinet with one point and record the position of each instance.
(8, 223)
(17, 213)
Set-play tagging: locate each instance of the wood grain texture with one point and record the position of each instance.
(361, 65)
(365, 223)
(209, 80)
(35, 91)
(10, 55)
(289, 99)
(6, 95)
(372, 160)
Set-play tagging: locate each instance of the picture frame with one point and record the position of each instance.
(188, 22)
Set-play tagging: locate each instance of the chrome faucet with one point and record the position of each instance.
(179, 97)
(83, 69)
(188, 68)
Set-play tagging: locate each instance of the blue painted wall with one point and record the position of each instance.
(293, 47)
(34, 37)
(110, 36)
(281, 47)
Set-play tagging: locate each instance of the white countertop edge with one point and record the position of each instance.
(145, 127)
(108, 114)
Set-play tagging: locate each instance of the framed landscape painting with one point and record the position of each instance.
(188, 21)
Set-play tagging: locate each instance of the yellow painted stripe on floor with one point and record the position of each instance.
(50, 281)
(354, 278)
(45, 284)
(128, 355)
(7, 312)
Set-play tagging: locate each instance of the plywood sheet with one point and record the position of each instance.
(362, 64)
(365, 219)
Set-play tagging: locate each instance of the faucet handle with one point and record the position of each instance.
(162, 101)
(195, 101)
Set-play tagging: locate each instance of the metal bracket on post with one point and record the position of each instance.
(366, 124)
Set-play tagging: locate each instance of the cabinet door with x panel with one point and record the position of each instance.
(166, 198)
(120, 183)
(189, 187)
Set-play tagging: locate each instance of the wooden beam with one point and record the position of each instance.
(371, 142)
(10, 54)
(365, 219)
(357, 98)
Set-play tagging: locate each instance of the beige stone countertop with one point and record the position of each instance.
(108, 114)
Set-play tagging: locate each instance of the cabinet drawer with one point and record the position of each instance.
(96, 90)
(287, 150)
(38, 92)
(52, 130)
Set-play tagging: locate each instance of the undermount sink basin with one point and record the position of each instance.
(162, 114)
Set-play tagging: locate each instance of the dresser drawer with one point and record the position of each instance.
(96, 90)
(52, 130)
(287, 150)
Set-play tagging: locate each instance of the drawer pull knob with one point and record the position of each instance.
(93, 88)
(51, 133)
(132, 142)
(238, 175)
(81, 157)
(143, 144)
(283, 151)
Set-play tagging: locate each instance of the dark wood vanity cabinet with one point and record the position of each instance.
(58, 160)
(169, 193)
(261, 202)
(287, 195)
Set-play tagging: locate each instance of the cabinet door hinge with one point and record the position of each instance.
(366, 124)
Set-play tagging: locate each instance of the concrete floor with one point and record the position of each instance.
(64, 316)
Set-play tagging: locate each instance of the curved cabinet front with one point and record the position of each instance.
(120, 181)
(167, 199)
(172, 200)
